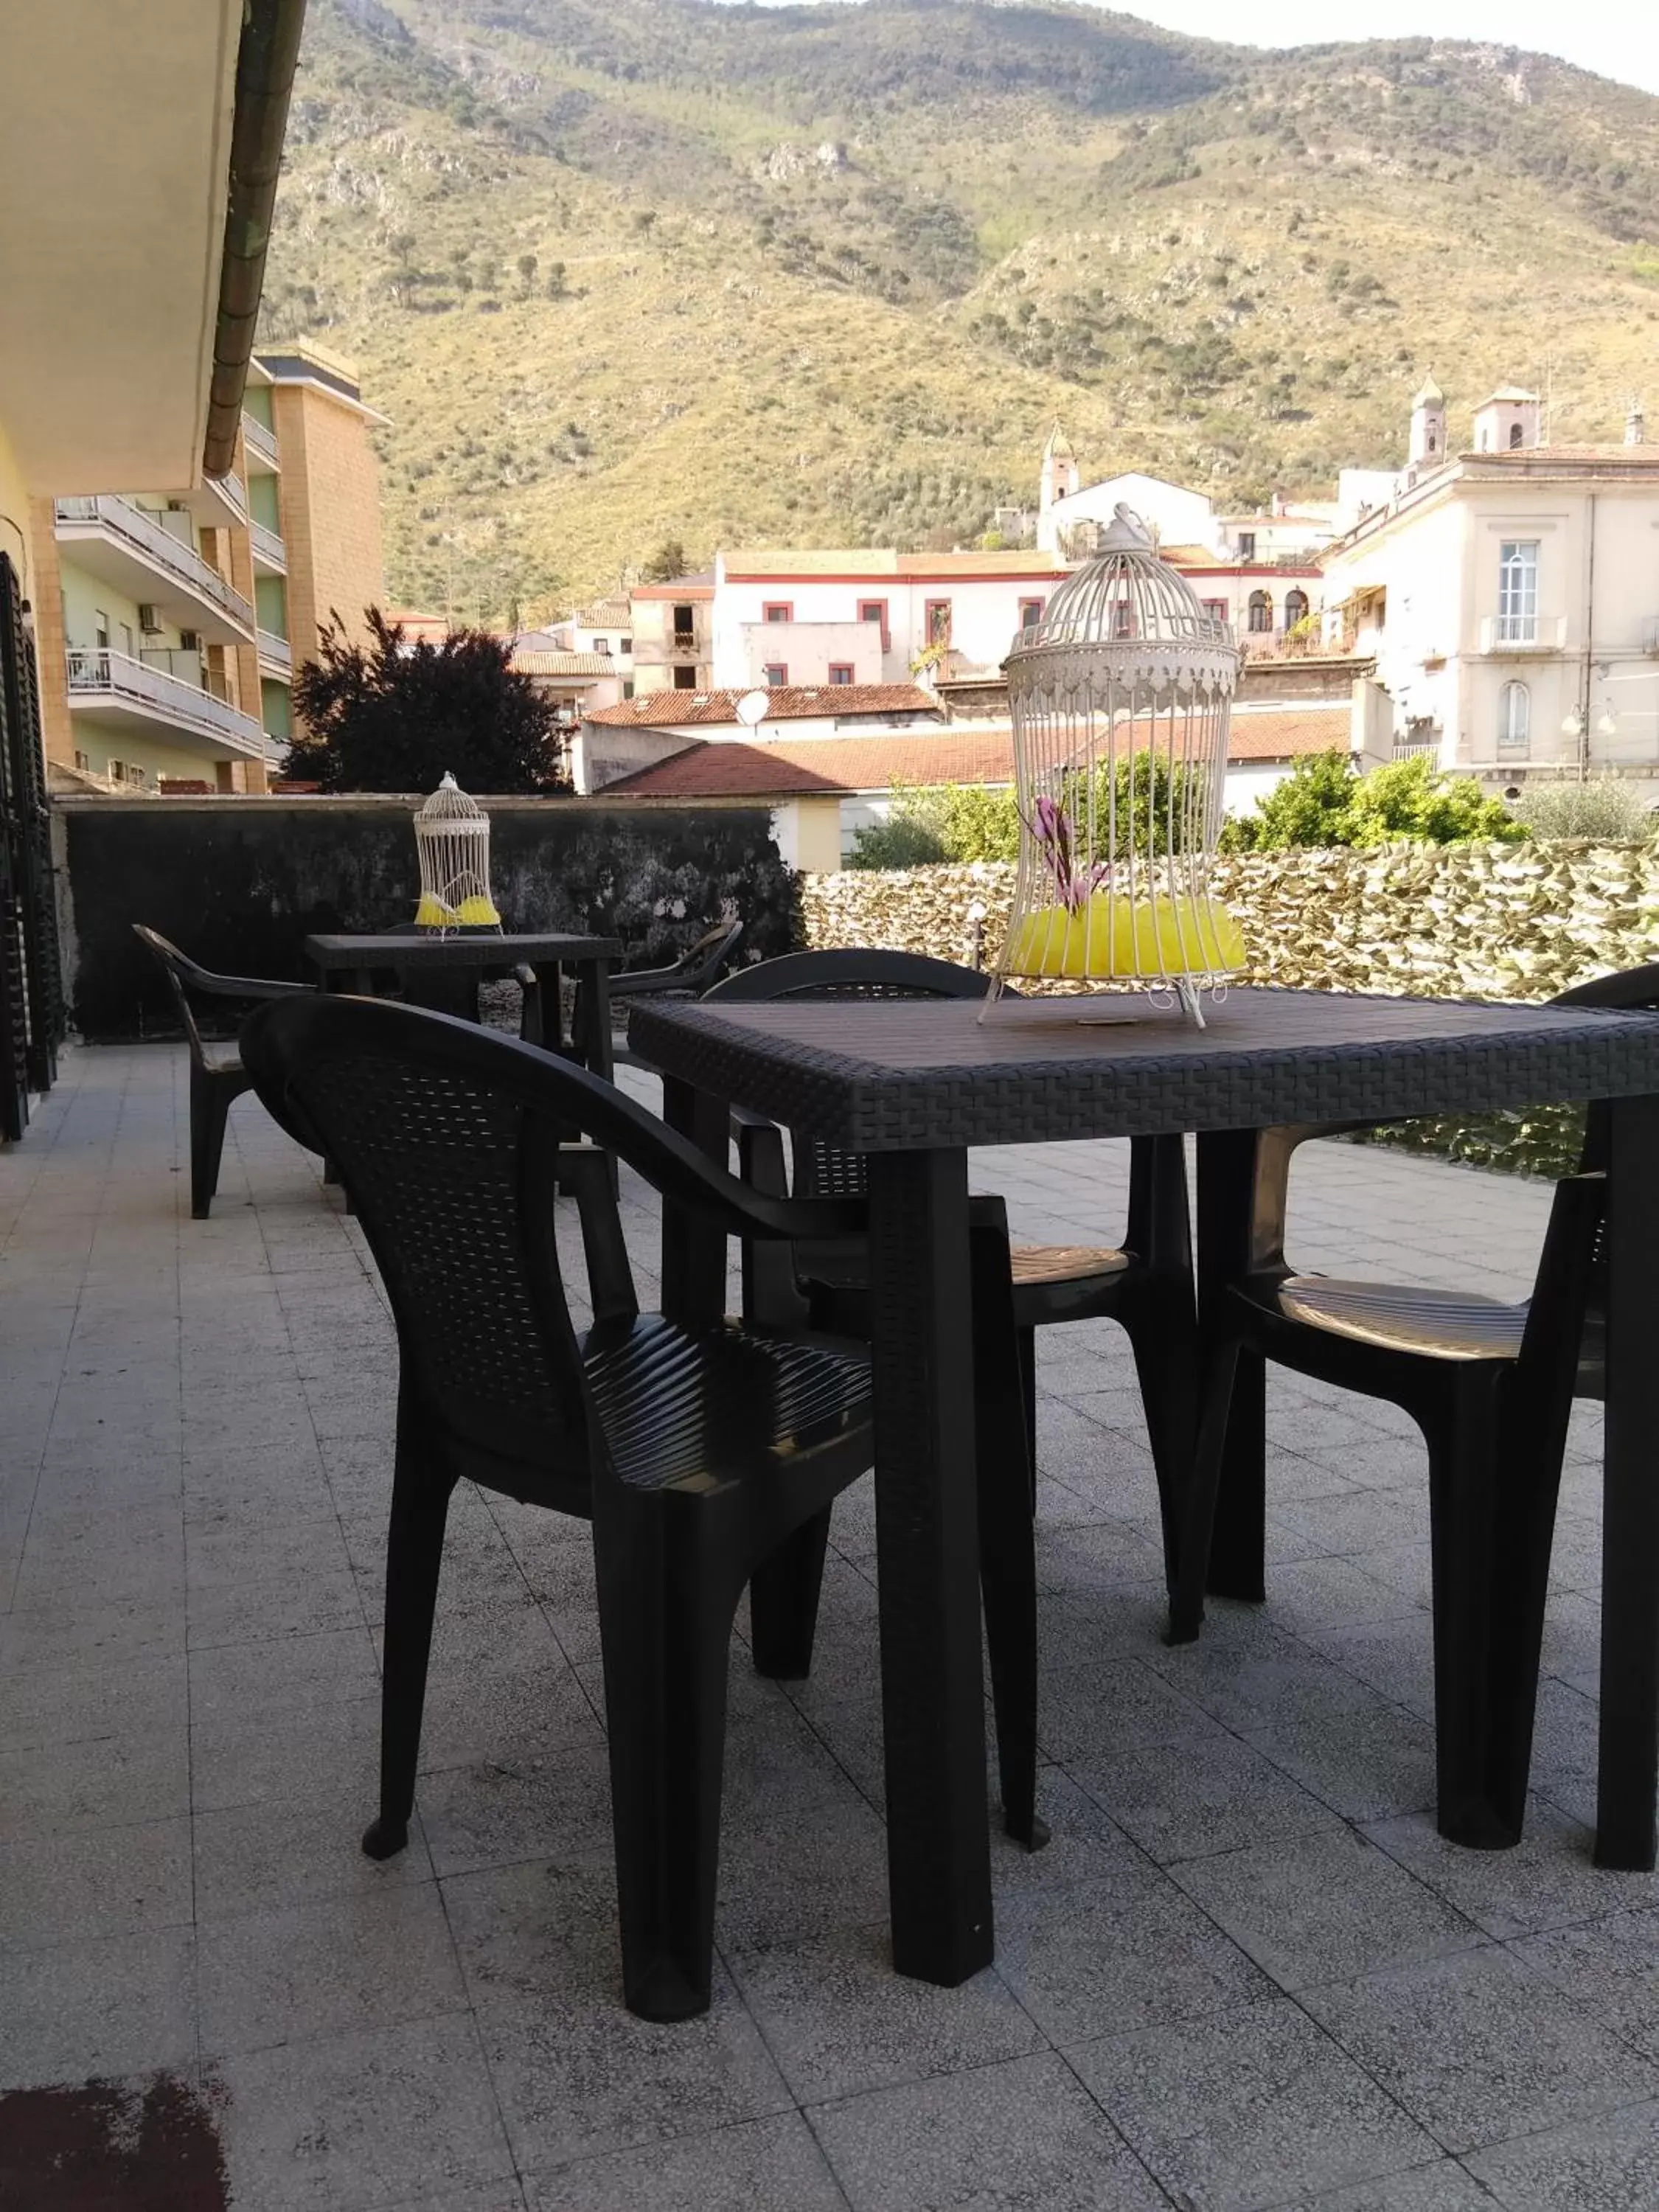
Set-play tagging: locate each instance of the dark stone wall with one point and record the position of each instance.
(240, 883)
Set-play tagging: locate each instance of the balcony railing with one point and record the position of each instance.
(268, 546)
(147, 537)
(234, 492)
(1523, 632)
(101, 673)
(277, 650)
(259, 440)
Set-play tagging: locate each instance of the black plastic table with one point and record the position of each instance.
(913, 1086)
(351, 963)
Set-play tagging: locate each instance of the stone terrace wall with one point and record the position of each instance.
(1471, 921)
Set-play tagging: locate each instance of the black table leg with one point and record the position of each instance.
(1226, 1184)
(598, 1045)
(693, 1249)
(1629, 1539)
(933, 1688)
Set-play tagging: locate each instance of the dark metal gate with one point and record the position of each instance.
(31, 973)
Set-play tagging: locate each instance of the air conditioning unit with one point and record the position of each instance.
(149, 619)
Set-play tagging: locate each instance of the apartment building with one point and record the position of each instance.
(1508, 589)
(168, 625)
(673, 647)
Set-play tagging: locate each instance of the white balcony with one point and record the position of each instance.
(276, 655)
(261, 444)
(269, 552)
(149, 700)
(137, 553)
(1505, 634)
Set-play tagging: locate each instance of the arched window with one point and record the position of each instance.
(1434, 442)
(1295, 608)
(1514, 435)
(1261, 611)
(1513, 718)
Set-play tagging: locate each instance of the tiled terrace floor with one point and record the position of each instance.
(1246, 1973)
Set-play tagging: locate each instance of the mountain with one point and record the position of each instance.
(627, 271)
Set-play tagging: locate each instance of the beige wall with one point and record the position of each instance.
(330, 492)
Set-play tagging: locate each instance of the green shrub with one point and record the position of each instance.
(1324, 803)
(907, 839)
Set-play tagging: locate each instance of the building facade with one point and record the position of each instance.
(168, 625)
(1509, 593)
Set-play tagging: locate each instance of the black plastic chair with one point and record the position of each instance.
(217, 1076)
(1490, 1385)
(697, 970)
(455, 990)
(1146, 1286)
(695, 1453)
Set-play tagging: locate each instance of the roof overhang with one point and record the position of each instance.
(116, 124)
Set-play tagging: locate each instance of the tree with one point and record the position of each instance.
(666, 563)
(392, 716)
(556, 285)
(527, 266)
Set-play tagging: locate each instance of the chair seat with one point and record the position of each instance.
(1434, 1324)
(663, 1392)
(1063, 1263)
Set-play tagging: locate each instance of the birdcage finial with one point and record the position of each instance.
(1120, 697)
(452, 842)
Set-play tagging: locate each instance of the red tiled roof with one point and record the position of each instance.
(787, 770)
(698, 586)
(670, 710)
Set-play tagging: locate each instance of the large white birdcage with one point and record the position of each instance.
(1120, 694)
(452, 841)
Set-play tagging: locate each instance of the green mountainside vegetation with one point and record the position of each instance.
(627, 271)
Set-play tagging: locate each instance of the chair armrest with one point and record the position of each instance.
(585, 1172)
(245, 987)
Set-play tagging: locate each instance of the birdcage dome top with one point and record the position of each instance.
(450, 804)
(1131, 606)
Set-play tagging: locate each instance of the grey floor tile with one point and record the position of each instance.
(1243, 2110)
(322, 1750)
(1478, 2048)
(1023, 2133)
(1181, 1800)
(839, 2020)
(265, 1858)
(1128, 1951)
(344, 2123)
(120, 2005)
(326, 1969)
(1549, 1880)
(1442, 2187)
(1610, 2164)
(1611, 1965)
(1084, 1843)
(1087, 1711)
(105, 1882)
(1325, 1907)
(62, 1788)
(1372, 1763)
(55, 1705)
(749, 2167)
(502, 1812)
(576, 2073)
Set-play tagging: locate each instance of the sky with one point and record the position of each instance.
(1615, 38)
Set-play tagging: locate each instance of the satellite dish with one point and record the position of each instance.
(751, 708)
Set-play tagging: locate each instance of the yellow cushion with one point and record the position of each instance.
(1121, 936)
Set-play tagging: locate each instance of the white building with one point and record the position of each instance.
(1509, 591)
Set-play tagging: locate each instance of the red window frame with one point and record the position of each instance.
(1218, 611)
(935, 632)
(842, 671)
(777, 610)
(776, 673)
(880, 607)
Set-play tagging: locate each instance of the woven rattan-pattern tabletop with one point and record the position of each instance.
(878, 1075)
(460, 951)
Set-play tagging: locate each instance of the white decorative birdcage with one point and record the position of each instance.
(1120, 694)
(452, 839)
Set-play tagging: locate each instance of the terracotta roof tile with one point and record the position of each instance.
(660, 710)
(566, 663)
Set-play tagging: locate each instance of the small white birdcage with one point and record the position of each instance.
(452, 839)
(1120, 694)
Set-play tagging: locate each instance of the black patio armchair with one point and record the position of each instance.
(697, 970)
(695, 1453)
(217, 1075)
(1490, 1385)
(1145, 1286)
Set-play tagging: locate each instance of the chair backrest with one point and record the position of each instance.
(447, 1137)
(181, 970)
(822, 1170)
